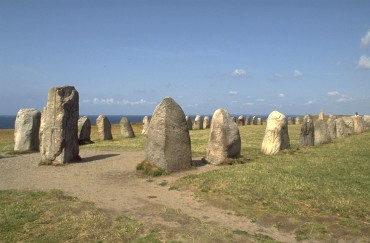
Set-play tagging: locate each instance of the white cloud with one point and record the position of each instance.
(261, 100)
(281, 95)
(364, 62)
(333, 93)
(233, 92)
(310, 102)
(365, 41)
(343, 99)
(249, 103)
(239, 73)
(112, 101)
(297, 74)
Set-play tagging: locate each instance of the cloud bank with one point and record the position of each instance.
(365, 41)
(364, 63)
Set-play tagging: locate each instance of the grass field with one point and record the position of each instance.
(319, 193)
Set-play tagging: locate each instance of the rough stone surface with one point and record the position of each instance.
(348, 121)
(367, 122)
(241, 121)
(307, 134)
(332, 127)
(126, 128)
(168, 141)
(206, 122)
(254, 120)
(189, 122)
(290, 121)
(224, 138)
(247, 120)
(104, 128)
(358, 124)
(321, 115)
(84, 130)
(26, 132)
(322, 134)
(276, 134)
(146, 122)
(259, 121)
(58, 130)
(341, 128)
(297, 120)
(198, 123)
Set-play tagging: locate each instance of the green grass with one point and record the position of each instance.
(325, 189)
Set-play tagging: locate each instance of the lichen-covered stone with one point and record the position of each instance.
(126, 128)
(84, 130)
(307, 134)
(104, 128)
(26, 132)
(322, 134)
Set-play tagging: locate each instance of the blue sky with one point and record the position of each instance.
(250, 57)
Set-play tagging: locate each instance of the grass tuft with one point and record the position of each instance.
(150, 169)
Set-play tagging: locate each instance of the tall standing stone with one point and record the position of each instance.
(26, 133)
(307, 134)
(297, 120)
(104, 128)
(198, 123)
(254, 120)
(189, 122)
(168, 144)
(259, 121)
(276, 134)
(126, 128)
(358, 124)
(321, 115)
(241, 121)
(322, 134)
(58, 130)
(348, 121)
(247, 120)
(290, 121)
(332, 126)
(341, 128)
(367, 122)
(224, 138)
(206, 122)
(146, 122)
(84, 130)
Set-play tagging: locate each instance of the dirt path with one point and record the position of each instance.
(109, 179)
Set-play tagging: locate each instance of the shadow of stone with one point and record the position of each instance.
(199, 163)
(96, 157)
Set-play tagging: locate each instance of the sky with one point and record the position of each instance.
(248, 56)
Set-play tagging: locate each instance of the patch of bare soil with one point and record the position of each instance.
(109, 179)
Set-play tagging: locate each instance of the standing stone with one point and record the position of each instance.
(189, 122)
(321, 115)
(247, 120)
(234, 119)
(348, 121)
(241, 121)
(341, 128)
(276, 134)
(206, 122)
(358, 124)
(198, 123)
(58, 130)
(332, 127)
(367, 122)
(259, 121)
(297, 120)
(104, 128)
(126, 128)
(146, 122)
(254, 120)
(224, 138)
(26, 133)
(84, 130)
(307, 134)
(168, 143)
(322, 134)
(290, 121)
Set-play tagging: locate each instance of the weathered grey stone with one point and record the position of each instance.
(224, 138)
(104, 128)
(367, 122)
(348, 121)
(259, 121)
(341, 128)
(206, 122)
(234, 119)
(84, 130)
(332, 127)
(168, 141)
(146, 122)
(26, 132)
(321, 115)
(358, 124)
(126, 128)
(58, 130)
(297, 120)
(276, 134)
(247, 120)
(241, 121)
(322, 134)
(254, 120)
(307, 134)
(290, 121)
(198, 123)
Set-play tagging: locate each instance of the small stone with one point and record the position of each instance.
(358, 124)
(146, 122)
(307, 134)
(104, 128)
(84, 130)
(332, 126)
(322, 134)
(241, 121)
(198, 123)
(341, 128)
(26, 132)
(206, 122)
(126, 128)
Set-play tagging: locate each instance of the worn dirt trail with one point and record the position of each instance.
(109, 179)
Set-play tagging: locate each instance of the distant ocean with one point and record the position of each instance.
(7, 122)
